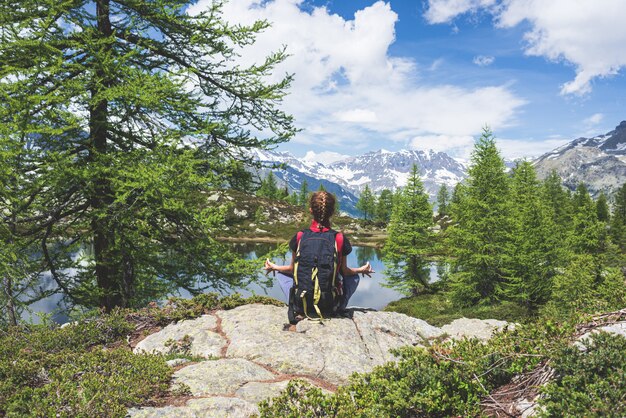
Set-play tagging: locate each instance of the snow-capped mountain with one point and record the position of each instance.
(599, 162)
(379, 169)
(390, 170)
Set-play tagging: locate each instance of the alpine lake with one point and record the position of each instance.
(370, 294)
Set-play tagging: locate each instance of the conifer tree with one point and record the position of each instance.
(618, 218)
(602, 208)
(443, 199)
(135, 110)
(366, 203)
(536, 250)
(455, 201)
(560, 204)
(294, 199)
(588, 233)
(409, 239)
(268, 188)
(304, 194)
(384, 206)
(321, 188)
(481, 238)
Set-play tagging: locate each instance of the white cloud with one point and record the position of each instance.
(516, 148)
(590, 35)
(594, 119)
(349, 93)
(356, 115)
(483, 60)
(325, 157)
(456, 146)
(443, 11)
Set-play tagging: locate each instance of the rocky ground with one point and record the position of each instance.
(250, 353)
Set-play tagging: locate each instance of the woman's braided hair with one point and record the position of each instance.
(322, 206)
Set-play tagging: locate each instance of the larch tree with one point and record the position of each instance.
(268, 188)
(618, 218)
(536, 254)
(602, 208)
(135, 110)
(367, 203)
(443, 201)
(384, 206)
(481, 236)
(303, 197)
(409, 239)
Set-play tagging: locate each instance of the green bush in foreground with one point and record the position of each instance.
(590, 383)
(439, 381)
(76, 371)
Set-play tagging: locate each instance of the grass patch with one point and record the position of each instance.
(437, 310)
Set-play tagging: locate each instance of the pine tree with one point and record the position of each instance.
(443, 199)
(557, 199)
(366, 203)
(409, 239)
(283, 193)
(321, 188)
(384, 206)
(588, 233)
(134, 109)
(618, 218)
(602, 208)
(481, 239)
(294, 199)
(303, 198)
(537, 253)
(268, 188)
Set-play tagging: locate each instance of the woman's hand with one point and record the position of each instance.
(269, 266)
(366, 270)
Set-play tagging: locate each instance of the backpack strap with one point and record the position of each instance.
(297, 257)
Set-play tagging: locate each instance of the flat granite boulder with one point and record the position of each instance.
(482, 329)
(220, 377)
(205, 341)
(215, 407)
(331, 350)
(259, 353)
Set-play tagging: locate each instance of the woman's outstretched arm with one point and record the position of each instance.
(365, 269)
(270, 267)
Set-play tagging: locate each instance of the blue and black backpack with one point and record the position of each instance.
(315, 292)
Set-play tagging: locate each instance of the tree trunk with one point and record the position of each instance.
(102, 194)
(10, 307)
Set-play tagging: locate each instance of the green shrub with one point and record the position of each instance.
(437, 310)
(76, 371)
(589, 383)
(442, 380)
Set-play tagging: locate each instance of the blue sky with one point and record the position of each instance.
(430, 74)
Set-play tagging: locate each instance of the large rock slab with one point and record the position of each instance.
(331, 350)
(215, 407)
(220, 377)
(482, 329)
(205, 341)
(260, 353)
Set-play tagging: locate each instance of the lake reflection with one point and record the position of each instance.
(370, 293)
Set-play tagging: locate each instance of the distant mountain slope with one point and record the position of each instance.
(379, 169)
(599, 162)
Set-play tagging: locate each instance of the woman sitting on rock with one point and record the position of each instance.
(310, 282)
